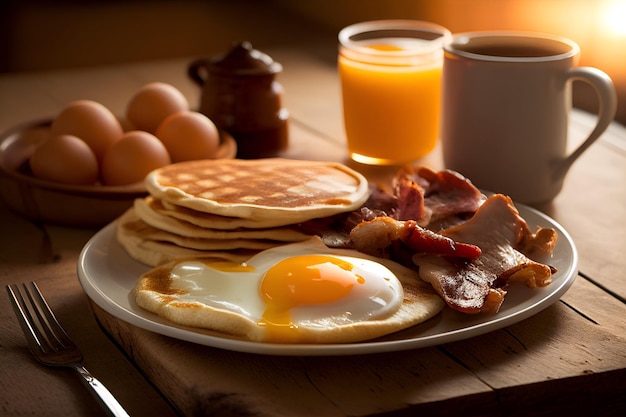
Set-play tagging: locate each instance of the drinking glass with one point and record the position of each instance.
(390, 72)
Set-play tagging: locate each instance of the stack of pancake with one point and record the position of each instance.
(231, 209)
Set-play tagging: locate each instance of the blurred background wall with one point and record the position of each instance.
(598, 26)
(48, 34)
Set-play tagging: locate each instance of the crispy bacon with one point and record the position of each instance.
(422, 197)
(480, 285)
(427, 241)
(448, 192)
(410, 197)
(430, 197)
(379, 237)
(468, 247)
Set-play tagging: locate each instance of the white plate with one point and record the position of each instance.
(108, 276)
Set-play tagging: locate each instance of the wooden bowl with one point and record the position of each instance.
(63, 204)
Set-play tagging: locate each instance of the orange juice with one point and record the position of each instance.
(391, 114)
(391, 88)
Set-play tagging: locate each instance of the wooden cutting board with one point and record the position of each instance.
(492, 374)
(201, 380)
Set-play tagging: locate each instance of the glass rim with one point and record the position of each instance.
(355, 36)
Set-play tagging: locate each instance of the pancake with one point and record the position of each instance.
(208, 220)
(150, 211)
(269, 191)
(153, 246)
(197, 301)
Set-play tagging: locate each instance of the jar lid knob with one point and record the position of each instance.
(243, 60)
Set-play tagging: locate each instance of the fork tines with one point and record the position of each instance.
(50, 344)
(39, 323)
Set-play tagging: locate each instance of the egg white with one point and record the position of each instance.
(238, 292)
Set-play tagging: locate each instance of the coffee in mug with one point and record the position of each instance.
(506, 97)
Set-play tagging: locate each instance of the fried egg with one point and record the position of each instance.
(295, 293)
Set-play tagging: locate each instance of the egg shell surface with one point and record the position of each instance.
(90, 121)
(65, 159)
(131, 158)
(152, 103)
(189, 135)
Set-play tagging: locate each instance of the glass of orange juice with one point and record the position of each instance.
(390, 73)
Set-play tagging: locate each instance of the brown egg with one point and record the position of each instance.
(90, 121)
(152, 104)
(189, 135)
(65, 159)
(131, 158)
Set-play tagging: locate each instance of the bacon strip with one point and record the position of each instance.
(427, 196)
(480, 285)
(426, 241)
(469, 264)
(448, 192)
(379, 237)
(410, 197)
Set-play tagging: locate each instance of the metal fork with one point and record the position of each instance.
(50, 344)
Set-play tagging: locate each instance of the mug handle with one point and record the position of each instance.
(607, 99)
(195, 70)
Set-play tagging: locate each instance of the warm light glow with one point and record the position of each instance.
(614, 17)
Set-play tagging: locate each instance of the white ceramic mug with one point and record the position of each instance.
(505, 106)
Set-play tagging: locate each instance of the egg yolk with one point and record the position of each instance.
(303, 280)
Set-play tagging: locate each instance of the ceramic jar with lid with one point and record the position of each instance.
(241, 95)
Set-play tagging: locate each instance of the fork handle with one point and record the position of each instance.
(102, 394)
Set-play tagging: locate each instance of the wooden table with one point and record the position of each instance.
(568, 359)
